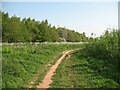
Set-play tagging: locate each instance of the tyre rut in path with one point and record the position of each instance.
(48, 77)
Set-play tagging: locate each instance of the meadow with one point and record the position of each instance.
(20, 62)
(95, 65)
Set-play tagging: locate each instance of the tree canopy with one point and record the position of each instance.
(29, 30)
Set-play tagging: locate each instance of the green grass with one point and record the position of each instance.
(84, 72)
(21, 62)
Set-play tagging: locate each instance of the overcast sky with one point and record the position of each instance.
(88, 17)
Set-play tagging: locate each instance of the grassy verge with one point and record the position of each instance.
(84, 72)
(42, 72)
(21, 62)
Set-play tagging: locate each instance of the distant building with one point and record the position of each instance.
(62, 39)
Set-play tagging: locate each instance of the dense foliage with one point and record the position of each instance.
(107, 49)
(29, 30)
(97, 65)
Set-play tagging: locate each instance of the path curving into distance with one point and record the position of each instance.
(48, 77)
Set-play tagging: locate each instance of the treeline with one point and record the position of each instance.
(29, 30)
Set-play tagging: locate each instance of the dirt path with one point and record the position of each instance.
(48, 77)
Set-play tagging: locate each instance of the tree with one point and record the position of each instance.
(27, 30)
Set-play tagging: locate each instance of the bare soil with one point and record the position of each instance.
(48, 77)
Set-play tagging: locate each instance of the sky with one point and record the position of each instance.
(88, 17)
